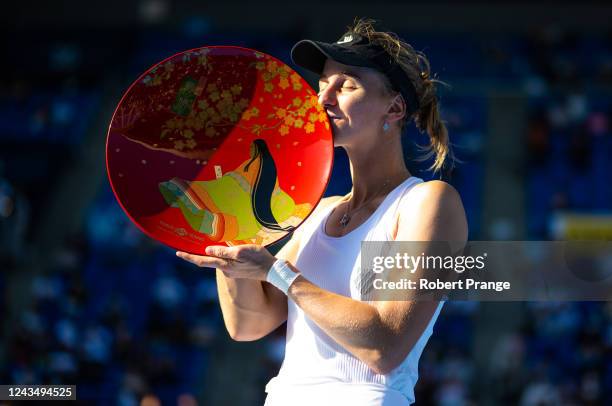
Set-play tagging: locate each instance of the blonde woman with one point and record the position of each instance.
(341, 349)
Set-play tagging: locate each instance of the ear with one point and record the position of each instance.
(396, 110)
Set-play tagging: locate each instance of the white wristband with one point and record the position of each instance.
(281, 276)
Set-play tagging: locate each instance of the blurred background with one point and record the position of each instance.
(87, 299)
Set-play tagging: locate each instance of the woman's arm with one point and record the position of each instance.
(253, 308)
(382, 333)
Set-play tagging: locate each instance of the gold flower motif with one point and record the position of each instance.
(236, 89)
(283, 83)
(295, 78)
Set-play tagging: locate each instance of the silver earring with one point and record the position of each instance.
(386, 127)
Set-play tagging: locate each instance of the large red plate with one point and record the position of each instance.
(219, 145)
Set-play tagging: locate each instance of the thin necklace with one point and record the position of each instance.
(346, 217)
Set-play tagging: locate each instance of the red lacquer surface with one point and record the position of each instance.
(186, 141)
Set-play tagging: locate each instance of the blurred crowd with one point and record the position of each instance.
(116, 314)
(560, 355)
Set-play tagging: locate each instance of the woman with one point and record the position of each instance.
(340, 348)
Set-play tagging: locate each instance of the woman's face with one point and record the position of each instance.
(356, 101)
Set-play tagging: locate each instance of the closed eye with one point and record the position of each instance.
(345, 85)
(348, 84)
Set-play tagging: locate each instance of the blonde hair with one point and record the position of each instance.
(416, 66)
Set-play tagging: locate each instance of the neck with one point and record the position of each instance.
(377, 170)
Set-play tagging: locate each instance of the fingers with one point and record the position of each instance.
(204, 261)
(221, 251)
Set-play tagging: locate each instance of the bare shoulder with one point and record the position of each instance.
(436, 191)
(433, 211)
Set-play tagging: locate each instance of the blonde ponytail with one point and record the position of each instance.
(428, 119)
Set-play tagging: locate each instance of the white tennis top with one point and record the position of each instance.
(316, 370)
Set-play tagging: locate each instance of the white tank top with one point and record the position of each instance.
(314, 363)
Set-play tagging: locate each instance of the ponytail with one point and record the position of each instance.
(428, 119)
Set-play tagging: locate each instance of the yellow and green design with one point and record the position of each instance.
(242, 206)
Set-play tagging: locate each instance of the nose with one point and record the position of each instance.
(327, 97)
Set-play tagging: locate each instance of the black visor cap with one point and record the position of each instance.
(311, 55)
(355, 50)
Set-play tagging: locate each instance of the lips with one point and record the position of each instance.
(332, 116)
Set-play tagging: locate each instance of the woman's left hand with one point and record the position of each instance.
(239, 262)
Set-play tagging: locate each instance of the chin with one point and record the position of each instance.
(338, 138)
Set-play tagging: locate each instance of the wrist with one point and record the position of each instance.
(281, 275)
(265, 268)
